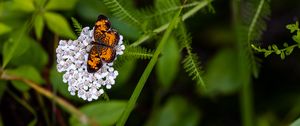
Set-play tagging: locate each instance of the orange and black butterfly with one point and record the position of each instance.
(103, 49)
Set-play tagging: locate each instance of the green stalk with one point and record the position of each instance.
(246, 103)
(25, 105)
(146, 73)
(186, 15)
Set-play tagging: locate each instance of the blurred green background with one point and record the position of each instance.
(31, 29)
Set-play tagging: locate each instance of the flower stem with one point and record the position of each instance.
(67, 106)
(246, 100)
(146, 73)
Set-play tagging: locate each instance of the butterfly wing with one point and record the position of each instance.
(110, 38)
(101, 26)
(108, 54)
(94, 62)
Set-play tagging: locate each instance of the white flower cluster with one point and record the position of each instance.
(72, 59)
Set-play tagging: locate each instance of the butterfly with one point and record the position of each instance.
(103, 49)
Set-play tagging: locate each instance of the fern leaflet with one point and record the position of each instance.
(191, 62)
(120, 10)
(192, 66)
(138, 52)
(255, 13)
(170, 8)
(132, 53)
(76, 25)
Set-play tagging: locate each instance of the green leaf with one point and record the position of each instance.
(39, 26)
(3, 85)
(191, 64)
(296, 122)
(16, 46)
(23, 5)
(282, 56)
(269, 47)
(40, 3)
(137, 52)
(221, 74)
(123, 11)
(58, 24)
(90, 10)
(4, 28)
(293, 27)
(274, 47)
(176, 112)
(296, 38)
(77, 26)
(125, 72)
(105, 113)
(285, 44)
(34, 56)
(168, 63)
(56, 80)
(124, 27)
(33, 122)
(267, 53)
(148, 70)
(277, 52)
(60, 4)
(26, 72)
(289, 51)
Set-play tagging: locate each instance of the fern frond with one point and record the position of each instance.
(123, 11)
(163, 10)
(77, 26)
(192, 66)
(258, 22)
(185, 41)
(138, 52)
(254, 15)
(132, 53)
(287, 50)
(171, 8)
(191, 62)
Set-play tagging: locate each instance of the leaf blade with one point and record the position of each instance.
(4, 28)
(168, 63)
(107, 112)
(26, 72)
(14, 45)
(39, 26)
(58, 24)
(60, 4)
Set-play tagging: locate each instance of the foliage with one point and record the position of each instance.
(191, 62)
(76, 25)
(137, 53)
(122, 10)
(253, 23)
(107, 112)
(250, 17)
(168, 64)
(175, 112)
(288, 49)
(194, 78)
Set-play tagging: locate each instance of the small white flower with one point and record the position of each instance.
(72, 60)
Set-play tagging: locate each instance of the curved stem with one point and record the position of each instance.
(186, 15)
(63, 103)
